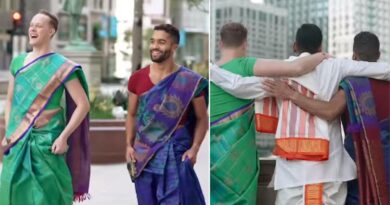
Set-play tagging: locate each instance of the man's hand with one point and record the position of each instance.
(60, 146)
(278, 89)
(4, 142)
(191, 155)
(130, 154)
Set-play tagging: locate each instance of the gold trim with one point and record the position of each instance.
(313, 194)
(44, 118)
(233, 115)
(41, 100)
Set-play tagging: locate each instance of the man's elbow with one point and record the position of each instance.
(329, 116)
(204, 119)
(298, 69)
(87, 107)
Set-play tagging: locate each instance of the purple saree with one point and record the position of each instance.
(161, 141)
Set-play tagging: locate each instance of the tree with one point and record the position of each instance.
(136, 58)
(198, 5)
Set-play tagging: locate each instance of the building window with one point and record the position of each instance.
(95, 4)
(218, 13)
(101, 4)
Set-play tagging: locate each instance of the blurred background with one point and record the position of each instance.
(272, 24)
(115, 37)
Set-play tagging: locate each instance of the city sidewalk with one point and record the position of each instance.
(111, 184)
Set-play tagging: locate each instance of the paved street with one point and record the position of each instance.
(110, 184)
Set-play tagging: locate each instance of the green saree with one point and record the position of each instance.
(234, 162)
(31, 173)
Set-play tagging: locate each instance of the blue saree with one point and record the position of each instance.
(161, 141)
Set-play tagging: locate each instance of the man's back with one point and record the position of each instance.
(222, 103)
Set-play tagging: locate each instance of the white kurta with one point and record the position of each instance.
(324, 81)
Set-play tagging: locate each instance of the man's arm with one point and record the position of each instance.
(377, 70)
(74, 86)
(8, 102)
(326, 110)
(240, 87)
(130, 126)
(278, 68)
(251, 87)
(202, 125)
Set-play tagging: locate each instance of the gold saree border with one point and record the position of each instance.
(300, 148)
(234, 115)
(41, 100)
(313, 194)
(266, 123)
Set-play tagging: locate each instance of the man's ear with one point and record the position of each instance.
(220, 45)
(295, 47)
(175, 46)
(244, 46)
(355, 56)
(52, 32)
(320, 48)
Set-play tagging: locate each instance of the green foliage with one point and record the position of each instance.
(97, 40)
(197, 4)
(101, 107)
(201, 68)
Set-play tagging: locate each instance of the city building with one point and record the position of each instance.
(304, 11)
(266, 25)
(349, 17)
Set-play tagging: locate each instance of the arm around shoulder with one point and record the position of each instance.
(278, 68)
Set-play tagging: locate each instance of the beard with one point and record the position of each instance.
(164, 55)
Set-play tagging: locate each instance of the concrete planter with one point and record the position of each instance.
(108, 141)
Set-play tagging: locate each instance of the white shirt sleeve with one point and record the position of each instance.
(236, 85)
(377, 70)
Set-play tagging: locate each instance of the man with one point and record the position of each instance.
(166, 124)
(38, 167)
(365, 48)
(234, 163)
(321, 146)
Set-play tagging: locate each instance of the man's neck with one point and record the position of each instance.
(230, 54)
(164, 68)
(40, 50)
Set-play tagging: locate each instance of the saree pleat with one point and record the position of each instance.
(32, 174)
(234, 163)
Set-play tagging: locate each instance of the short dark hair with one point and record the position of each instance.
(366, 45)
(53, 19)
(309, 38)
(233, 34)
(171, 30)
